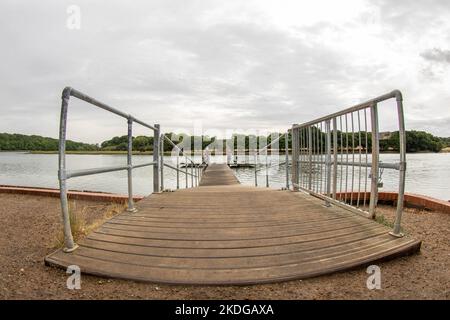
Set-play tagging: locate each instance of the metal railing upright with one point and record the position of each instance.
(64, 174)
(331, 158)
(337, 158)
(195, 177)
(267, 164)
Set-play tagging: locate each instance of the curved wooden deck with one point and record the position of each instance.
(226, 233)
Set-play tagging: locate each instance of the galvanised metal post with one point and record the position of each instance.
(162, 161)
(64, 175)
(131, 207)
(335, 157)
(328, 160)
(295, 158)
(402, 170)
(69, 244)
(192, 174)
(186, 170)
(286, 148)
(178, 169)
(195, 175)
(310, 157)
(267, 168)
(256, 170)
(375, 161)
(156, 161)
(198, 175)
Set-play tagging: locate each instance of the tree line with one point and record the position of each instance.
(22, 142)
(416, 141)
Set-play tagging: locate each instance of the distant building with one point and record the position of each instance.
(385, 135)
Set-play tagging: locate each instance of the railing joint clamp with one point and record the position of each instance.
(62, 175)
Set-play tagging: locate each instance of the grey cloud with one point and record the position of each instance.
(160, 61)
(438, 126)
(404, 16)
(436, 55)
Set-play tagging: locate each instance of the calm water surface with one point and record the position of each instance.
(427, 173)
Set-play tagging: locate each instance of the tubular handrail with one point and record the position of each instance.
(272, 166)
(87, 172)
(312, 141)
(68, 91)
(195, 177)
(64, 174)
(265, 148)
(318, 154)
(324, 137)
(175, 168)
(178, 148)
(394, 94)
(384, 165)
(268, 165)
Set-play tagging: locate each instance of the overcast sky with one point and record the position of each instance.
(225, 65)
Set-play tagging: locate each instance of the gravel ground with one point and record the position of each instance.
(30, 226)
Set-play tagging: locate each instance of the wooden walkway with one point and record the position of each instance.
(226, 233)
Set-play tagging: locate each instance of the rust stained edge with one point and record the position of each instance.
(75, 195)
(411, 199)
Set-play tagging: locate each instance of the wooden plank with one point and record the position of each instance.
(98, 267)
(226, 233)
(232, 244)
(196, 251)
(218, 175)
(230, 235)
(269, 259)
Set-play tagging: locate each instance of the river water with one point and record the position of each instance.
(427, 173)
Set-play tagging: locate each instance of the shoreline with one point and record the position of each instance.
(411, 200)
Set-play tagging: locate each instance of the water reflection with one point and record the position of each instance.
(427, 173)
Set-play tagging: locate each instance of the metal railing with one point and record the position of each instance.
(196, 169)
(330, 159)
(64, 174)
(332, 155)
(267, 164)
